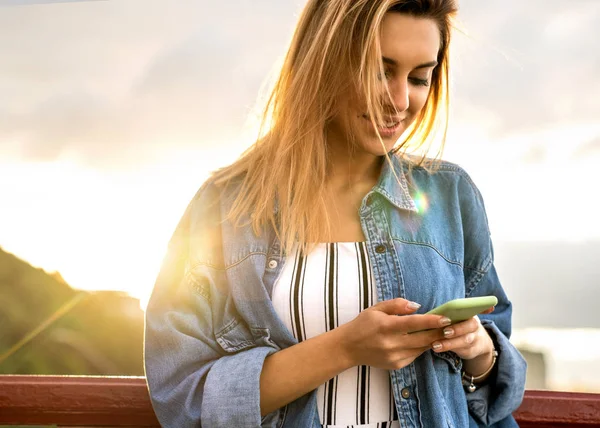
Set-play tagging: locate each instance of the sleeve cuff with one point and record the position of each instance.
(232, 391)
(503, 393)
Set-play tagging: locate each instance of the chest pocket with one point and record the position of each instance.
(237, 336)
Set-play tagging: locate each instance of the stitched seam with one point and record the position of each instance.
(447, 167)
(450, 359)
(425, 244)
(473, 283)
(470, 287)
(197, 286)
(225, 268)
(282, 417)
(232, 324)
(242, 345)
(473, 269)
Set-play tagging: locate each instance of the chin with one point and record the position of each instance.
(373, 146)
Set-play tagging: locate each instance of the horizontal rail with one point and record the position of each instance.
(70, 401)
(75, 401)
(545, 409)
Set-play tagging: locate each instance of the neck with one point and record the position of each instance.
(349, 169)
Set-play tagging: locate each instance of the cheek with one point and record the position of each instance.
(418, 99)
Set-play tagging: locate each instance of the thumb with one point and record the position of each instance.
(397, 307)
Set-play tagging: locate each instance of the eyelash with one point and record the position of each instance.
(419, 82)
(415, 81)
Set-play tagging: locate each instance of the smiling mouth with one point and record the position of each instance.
(390, 123)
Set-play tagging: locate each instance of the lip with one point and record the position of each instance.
(388, 131)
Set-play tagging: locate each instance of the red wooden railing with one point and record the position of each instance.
(124, 402)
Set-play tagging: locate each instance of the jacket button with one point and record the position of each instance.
(380, 249)
(405, 393)
(272, 264)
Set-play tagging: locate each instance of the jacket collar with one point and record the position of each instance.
(393, 184)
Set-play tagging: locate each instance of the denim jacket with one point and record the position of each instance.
(210, 322)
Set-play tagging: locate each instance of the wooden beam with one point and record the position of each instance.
(543, 409)
(75, 401)
(68, 401)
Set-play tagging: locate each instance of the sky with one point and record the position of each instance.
(112, 113)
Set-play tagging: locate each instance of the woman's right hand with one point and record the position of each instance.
(378, 337)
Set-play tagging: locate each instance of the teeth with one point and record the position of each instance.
(385, 124)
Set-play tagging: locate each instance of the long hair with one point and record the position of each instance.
(335, 48)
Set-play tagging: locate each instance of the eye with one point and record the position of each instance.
(419, 82)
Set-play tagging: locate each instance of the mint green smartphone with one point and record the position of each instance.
(463, 309)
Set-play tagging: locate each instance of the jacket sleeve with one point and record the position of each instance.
(193, 381)
(503, 392)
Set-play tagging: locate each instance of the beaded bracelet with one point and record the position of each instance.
(469, 380)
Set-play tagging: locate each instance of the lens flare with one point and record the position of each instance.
(421, 202)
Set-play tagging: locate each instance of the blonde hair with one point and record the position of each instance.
(335, 48)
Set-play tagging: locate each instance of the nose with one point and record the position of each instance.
(400, 94)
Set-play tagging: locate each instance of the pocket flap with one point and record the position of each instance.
(237, 336)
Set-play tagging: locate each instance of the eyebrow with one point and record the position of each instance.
(390, 61)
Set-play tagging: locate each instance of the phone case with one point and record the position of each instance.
(462, 309)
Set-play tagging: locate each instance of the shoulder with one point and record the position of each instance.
(206, 215)
(213, 198)
(436, 170)
(218, 237)
(442, 179)
(453, 198)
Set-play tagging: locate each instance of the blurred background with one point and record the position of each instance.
(112, 113)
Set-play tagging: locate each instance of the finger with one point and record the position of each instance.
(489, 311)
(397, 306)
(422, 339)
(418, 323)
(413, 353)
(456, 343)
(462, 328)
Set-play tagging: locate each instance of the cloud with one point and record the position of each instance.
(124, 78)
(590, 149)
(133, 79)
(535, 154)
(531, 64)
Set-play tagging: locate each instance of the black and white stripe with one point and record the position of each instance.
(297, 297)
(317, 293)
(365, 301)
(331, 319)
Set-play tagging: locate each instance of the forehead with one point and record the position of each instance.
(409, 40)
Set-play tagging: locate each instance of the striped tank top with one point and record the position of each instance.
(316, 293)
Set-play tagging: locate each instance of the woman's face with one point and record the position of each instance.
(410, 48)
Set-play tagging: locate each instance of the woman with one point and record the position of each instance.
(294, 289)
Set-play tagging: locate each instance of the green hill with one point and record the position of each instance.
(47, 327)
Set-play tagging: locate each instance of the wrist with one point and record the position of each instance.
(344, 347)
(477, 370)
(470, 381)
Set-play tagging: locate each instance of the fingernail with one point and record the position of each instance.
(448, 332)
(437, 346)
(413, 305)
(445, 321)
(470, 337)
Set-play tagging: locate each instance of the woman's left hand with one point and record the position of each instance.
(467, 339)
